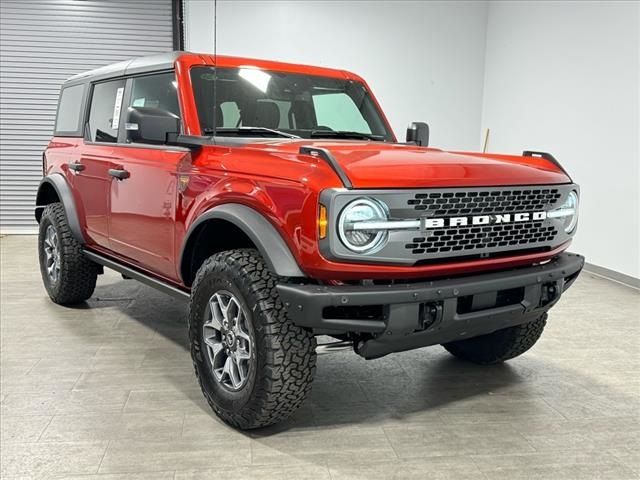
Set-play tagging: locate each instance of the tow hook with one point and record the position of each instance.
(550, 292)
(431, 313)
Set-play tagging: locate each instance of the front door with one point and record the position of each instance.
(143, 190)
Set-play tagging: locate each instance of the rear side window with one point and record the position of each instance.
(69, 111)
(105, 112)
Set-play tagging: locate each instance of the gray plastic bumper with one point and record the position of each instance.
(414, 315)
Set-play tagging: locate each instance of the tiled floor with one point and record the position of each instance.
(106, 391)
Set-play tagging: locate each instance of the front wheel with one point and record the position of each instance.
(499, 346)
(255, 367)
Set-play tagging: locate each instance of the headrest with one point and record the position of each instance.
(267, 115)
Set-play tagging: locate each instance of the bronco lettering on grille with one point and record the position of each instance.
(427, 223)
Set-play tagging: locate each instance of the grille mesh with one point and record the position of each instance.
(472, 238)
(483, 202)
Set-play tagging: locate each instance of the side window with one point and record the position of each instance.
(104, 114)
(338, 112)
(158, 91)
(69, 110)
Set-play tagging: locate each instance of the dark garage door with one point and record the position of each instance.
(41, 44)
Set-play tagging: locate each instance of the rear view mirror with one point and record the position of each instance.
(151, 125)
(418, 133)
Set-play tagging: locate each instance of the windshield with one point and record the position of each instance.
(254, 102)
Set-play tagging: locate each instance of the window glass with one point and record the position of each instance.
(308, 106)
(68, 119)
(156, 91)
(230, 114)
(159, 91)
(338, 112)
(104, 114)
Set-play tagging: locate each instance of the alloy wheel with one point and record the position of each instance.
(52, 254)
(226, 336)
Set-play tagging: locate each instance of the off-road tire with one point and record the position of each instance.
(78, 274)
(498, 346)
(281, 374)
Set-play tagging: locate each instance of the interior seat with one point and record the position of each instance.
(267, 115)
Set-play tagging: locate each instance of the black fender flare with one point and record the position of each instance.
(261, 232)
(63, 190)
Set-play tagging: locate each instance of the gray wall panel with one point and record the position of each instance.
(42, 43)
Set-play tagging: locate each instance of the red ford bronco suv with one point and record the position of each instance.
(277, 199)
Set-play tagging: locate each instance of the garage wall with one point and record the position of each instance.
(564, 77)
(423, 60)
(42, 43)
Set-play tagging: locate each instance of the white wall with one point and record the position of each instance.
(564, 77)
(423, 60)
(556, 76)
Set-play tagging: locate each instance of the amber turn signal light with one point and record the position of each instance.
(322, 221)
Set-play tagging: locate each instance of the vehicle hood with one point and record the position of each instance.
(386, 165)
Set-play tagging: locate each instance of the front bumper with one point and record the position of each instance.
(406, 316)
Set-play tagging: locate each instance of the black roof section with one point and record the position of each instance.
(149, 63)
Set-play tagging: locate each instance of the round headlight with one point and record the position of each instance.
(352, 235)
(567, 212)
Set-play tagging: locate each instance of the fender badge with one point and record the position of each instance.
(183, 182)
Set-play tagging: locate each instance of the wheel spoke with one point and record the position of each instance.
(228, 367)
(243, 336)
(216, 314)
(242, 354)
(213, 324)
(239, 368)
(216, 348)
(233, 310)
(239, 319)
(236, 377)
(213, 343)
(223, 306)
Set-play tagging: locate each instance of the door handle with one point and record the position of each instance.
(119, 173)
(77, 166)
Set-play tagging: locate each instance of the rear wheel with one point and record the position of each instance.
(68, 276)
(254, 365)
(499, 346)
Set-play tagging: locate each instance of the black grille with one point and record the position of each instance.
(456, 239)
(485, 202)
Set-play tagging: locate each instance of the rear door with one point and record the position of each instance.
(90, 174)
(143, 205)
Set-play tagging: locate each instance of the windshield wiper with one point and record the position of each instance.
(248, 131)
(345, 134)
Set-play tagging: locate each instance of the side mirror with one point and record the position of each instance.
(151, 125)
(418, 133)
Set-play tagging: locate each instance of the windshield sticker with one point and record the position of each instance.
(138, 102)
(116, 108)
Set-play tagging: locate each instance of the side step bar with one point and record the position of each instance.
(137, 275)
(324, 348)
